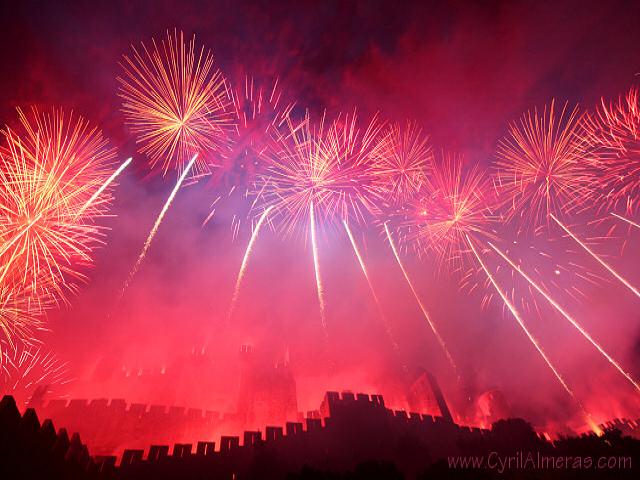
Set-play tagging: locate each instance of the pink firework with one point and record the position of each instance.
(401, 161)
(614, 130)
(545, 165)
(456, 203)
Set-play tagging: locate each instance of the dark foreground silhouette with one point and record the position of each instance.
(356, 438)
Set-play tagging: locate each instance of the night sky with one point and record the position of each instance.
(464, 71)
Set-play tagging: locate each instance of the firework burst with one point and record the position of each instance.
(50, 173)
(20, 313)
(545, 164)
(24, 368)
(614, 130)
(457, 202)
(258, 112)
(175, 102)
(327, 167)
(400, 162)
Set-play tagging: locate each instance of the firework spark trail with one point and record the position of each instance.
(156, 225)
(597, 258)
(316, 266)
(25, 367)
(396, 348)
(245, 260)
(524, 328)
(420, 304)
(104, 186)
(9, 244)
(565, 315)
(630, 222)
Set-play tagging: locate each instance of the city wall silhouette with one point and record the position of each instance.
(347, 430)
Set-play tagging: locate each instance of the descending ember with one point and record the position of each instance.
(50, 173)
(363, 267)
(597, 257)
(532, 339)
(627, 220)
(175, 102)
(316, 266)
(544, 164)
(614, 129)
(566, 315)
(24, 367)
(423, 309)
(400, 162)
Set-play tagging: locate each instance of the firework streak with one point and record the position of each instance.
(420, 304)
(104, 186)
(156, 225)
(597, 258)
(245, 260)
(316, 266)
(630, 222)
(371, 289)
(529, 335)
(565, 315)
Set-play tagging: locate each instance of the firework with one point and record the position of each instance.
(597, 257)
(175, 102)
(316, 265)
(245, 260)
(516, 315)
(566, 315)
(363, 267)
(624, 219)
(49, 175)
(259, 111)
(20, 313)
(400, 162)
(299, 174)
(327, 167)
(157, 223)
(544, 164)
(423, 309)
(24, 368)
(457, 202)
(615, 131)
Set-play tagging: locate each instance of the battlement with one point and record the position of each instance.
(360, 428)
(58, 455)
